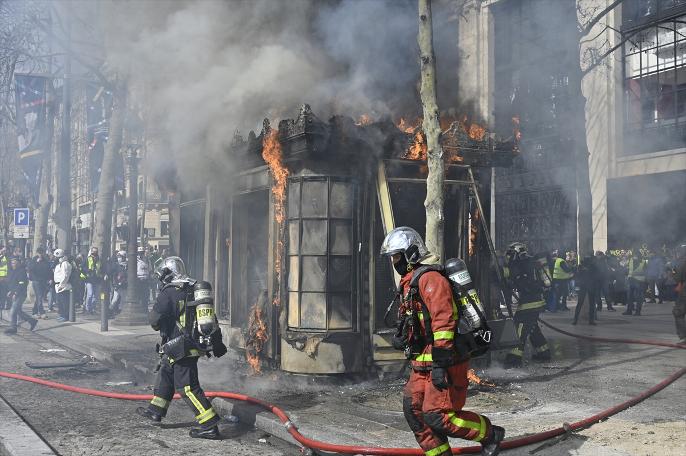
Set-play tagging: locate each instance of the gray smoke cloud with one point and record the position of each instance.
(209, 68)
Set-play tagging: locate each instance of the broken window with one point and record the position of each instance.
(320, 249)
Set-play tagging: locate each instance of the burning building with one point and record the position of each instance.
(293, 252)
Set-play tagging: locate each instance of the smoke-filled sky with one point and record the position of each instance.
(209, 68)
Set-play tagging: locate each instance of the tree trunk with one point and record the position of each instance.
(40, 233)
(432, 130)
(103, 214)
(584, 198)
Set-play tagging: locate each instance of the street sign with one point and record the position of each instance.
(21, 216)
(21, 232)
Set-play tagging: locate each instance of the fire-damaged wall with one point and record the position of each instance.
(293, 251)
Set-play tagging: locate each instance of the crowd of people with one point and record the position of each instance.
(56, 278)
(629, 278)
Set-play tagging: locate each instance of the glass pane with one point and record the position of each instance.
(341, 200)
(340, 274)
(313, 311)
(341, 237)
(293, 237)
(293, 308)
(314, 237)
(340, 312)
(293, 272)
(314, 273)
(314, 198)
(294, 199)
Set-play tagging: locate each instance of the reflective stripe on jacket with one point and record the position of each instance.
(637, 272)
(435, 292)
(558, 270)
(3, 266)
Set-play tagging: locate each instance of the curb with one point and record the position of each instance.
(254, 416)
(17, 438)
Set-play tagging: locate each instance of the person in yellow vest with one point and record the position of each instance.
(562, 274)
(4, 270)
(637, 283)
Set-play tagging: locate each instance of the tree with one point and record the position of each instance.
(432, 130)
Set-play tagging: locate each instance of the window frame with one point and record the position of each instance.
(330, 295)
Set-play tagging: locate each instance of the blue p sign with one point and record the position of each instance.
(21, 216)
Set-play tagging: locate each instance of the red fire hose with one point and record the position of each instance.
(349, 449)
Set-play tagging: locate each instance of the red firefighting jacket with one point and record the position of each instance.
(435, 292)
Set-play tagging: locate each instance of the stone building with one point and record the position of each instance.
(519, 59)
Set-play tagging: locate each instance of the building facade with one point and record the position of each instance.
(518, 60)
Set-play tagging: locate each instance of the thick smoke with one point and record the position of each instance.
(209, 68)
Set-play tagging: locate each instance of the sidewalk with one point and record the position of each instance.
(582, 379)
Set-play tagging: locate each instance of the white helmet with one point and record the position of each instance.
(59, 253)
(407, 241)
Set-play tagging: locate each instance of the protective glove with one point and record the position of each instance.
(219, 349)
(439, 377)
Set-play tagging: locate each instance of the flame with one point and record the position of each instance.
(473, 231)
(257, 336)
(407, 127)
(473, 378)
(418, 149)
(364, 119)
(516, 131)
(476, 132)
(273, 156)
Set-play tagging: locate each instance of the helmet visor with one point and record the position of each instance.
(174, 264)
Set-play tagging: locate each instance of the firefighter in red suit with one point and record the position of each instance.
(437, 388)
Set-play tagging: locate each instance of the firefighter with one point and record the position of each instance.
(172, 316)
(437, 388)
(637, 283)
(529, 283)
(679, 310)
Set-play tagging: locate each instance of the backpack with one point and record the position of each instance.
(469, 341)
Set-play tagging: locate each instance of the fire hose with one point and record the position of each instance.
(351, 449)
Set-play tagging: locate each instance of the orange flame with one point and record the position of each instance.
(473, 378)
(273, 156)
(257, 336)
(476, 132)
(473, 231)
(418, 149)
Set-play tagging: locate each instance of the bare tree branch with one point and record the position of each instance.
(587, 28)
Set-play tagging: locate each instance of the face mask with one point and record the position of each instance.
(401, 266)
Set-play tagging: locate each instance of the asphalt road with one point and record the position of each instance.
(75, 424)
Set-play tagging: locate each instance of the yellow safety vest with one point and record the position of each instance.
(3, 266)
(558, 272)
(637, 273)
(94, 265)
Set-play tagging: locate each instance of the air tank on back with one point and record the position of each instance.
(204, 308)
(471, 309)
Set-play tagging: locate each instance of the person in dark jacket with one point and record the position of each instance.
(587, 283)
(604, 278)
(39, 274)
(17, 283)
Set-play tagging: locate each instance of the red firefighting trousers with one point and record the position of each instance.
(435, 415)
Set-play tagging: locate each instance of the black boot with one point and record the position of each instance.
(149, 414)
(512, 361)
(542, 356)
(211, 433)
(490, 446)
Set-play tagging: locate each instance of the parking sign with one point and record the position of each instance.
(21, 216)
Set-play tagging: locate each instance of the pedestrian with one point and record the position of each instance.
(78, 281)
(39, 275)
(436, 391)
(587, 282)
(562, 274)
(63, 287)
(654, 269)
(93, 271)
(117, 273)
(679, 310)
(17, 284)
(529, 283)
(604, 278)
(4, 270)
(52, 295)
(142, 277)
(637, 283)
